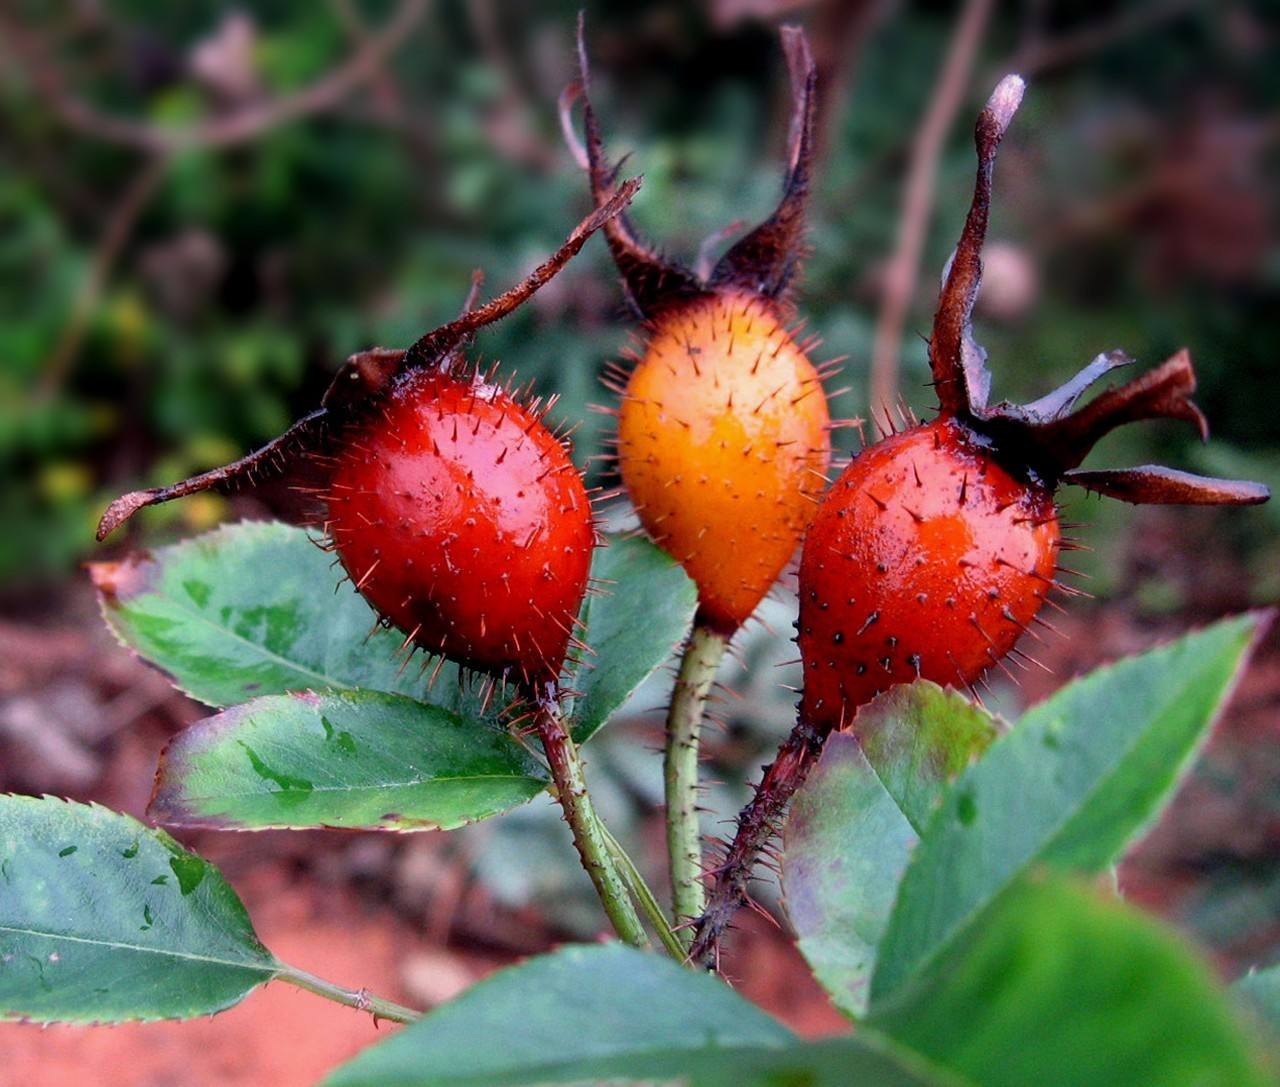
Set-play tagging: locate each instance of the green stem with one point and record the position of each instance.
(361, 999)
(698, 669)
(645, 898)
(589, 835)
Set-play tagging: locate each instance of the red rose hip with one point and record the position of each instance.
(463, 521)
(454, 510)
(928, 559)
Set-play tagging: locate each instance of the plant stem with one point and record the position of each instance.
(757, 823)
(645, 898)
(589, 835)
(361, 999)
(698, 668)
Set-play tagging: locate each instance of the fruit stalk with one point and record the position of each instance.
(758, 821)
(698, 667)
(589, 836)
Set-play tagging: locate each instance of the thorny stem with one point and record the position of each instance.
(698, 667)
(361, 999)
(757, 823)
(589, 835)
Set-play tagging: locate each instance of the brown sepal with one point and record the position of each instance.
(1047, 437)
(367, 376)
(959, 365)
(764, 262)
(650, 280)
(1162, 393)
(1154, 485)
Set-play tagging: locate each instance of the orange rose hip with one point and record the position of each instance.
(722, 445)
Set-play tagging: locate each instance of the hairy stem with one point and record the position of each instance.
(360, 999)
(757, 823)
(589, 835)
(702, 656)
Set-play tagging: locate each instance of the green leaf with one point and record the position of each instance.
(1079, 777)
(349, 759)
(585, 1014)
(1260, 992)
(632, 629)
(846, 846)
(105, 920)
(247, 610)
(1060, 987)
(257, 609)
(918, 737)
(848, 841)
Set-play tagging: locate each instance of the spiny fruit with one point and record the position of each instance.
(452, 507)
(937, 547)
(928, 559)
(463, 521)
(716, 446)
(723, 430)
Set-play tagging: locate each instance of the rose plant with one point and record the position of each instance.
(949, 876)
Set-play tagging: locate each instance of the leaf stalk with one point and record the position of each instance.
(360, 999)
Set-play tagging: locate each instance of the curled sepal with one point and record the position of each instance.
(441, 343)
(1051, 437)
(766, 260)
(1162, 393)
(1053, 440)
(365, 377)
(651, 280)
(1155, 485)
(1054, 405)
(306, 434)
(959, 365)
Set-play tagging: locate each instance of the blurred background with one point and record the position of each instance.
(204, 207)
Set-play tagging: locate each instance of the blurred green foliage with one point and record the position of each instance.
(1136, 195)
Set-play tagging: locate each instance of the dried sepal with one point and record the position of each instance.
(365, 374)
(443, 341)
(1050, 437)
(1056, 404)
(764, 262)
(650, 279)
(365, 377)
(268, 461)
(959, 367)
(767, 259)
(1155, 485)
(1162, 393)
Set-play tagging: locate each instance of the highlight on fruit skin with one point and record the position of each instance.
(453, 509)
(723, 427)
(936, 548)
